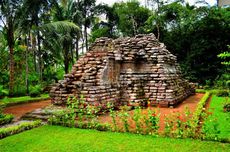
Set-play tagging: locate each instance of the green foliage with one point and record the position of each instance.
(137, 119)
(223, 93)
(186, 125)
(124, 115)
(226, 57)
(226, 107)
(216, 126)
(224, 80)
(5, 118)
(132, 17)
(24, 99)
(180, 125)
(78, 109)
(99, 32)
(35, 91)
(200, 91)
(197, 115)
(112, 114)
(191, 33)
(4, 132)
(154, 122)
(3, 92)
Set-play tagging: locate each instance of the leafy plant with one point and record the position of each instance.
(112, 114)
(226, 106)
(35, 91)
(154, 121)
(223, 93)
(124, 118)
(211, 132)
(137, 117)
(4, 132)
(6, 118)
(3, 92)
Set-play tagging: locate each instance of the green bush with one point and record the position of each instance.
(19, 90)
(6, 118)
(4, 132)
(222, 93)
(227, 107)
(199, 112)
(36, 91)
(3, 92)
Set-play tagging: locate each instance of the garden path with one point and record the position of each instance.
(19, 110)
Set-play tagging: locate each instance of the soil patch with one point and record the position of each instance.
(19, 110)
(191, 103)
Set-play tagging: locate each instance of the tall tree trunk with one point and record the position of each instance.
(27, 68)
(82, 46)
(10, 37)
(66, 56)
(39, 56)
(33, 44)
(158, 31)
(66, 68)
(77, 47)
(71, 49)
(86, 37)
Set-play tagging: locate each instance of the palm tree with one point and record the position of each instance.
(9, 12)
(59, 36)
(87, 7)
(69, 10)
(35, 12)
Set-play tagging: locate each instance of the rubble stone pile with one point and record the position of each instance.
(124, 71)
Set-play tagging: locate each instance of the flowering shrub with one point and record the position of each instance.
(154, 123)
(187, 125)
(124, 118)
(137, 119)
(180, 125)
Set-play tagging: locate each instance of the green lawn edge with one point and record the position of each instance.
(20, 100)
(218, 118)
(56, 138)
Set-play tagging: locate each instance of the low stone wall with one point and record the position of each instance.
(125, 70)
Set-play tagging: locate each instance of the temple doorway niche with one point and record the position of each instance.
(112, 73)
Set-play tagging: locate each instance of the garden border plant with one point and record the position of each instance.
(21, 100)
(176, 127)
(5, 118)
(4, 132)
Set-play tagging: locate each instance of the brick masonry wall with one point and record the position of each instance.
(125, 70)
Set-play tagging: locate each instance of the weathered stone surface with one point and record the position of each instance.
(134, 70)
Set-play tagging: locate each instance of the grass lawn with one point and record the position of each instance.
(219, 117)
(24, 99)
(56, 138)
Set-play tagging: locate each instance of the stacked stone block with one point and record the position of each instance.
(125, 70)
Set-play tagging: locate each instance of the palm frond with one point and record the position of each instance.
(60, 27)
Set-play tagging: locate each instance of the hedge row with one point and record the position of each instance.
(6, 118)
(4, 132)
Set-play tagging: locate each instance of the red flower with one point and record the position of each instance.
(96, 104)
(179, 117)
(129, 104)
(85, 105)
(154, 115)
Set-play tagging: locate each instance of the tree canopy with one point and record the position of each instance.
(40, 40)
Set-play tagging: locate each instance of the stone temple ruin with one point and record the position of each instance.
(125, 71)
